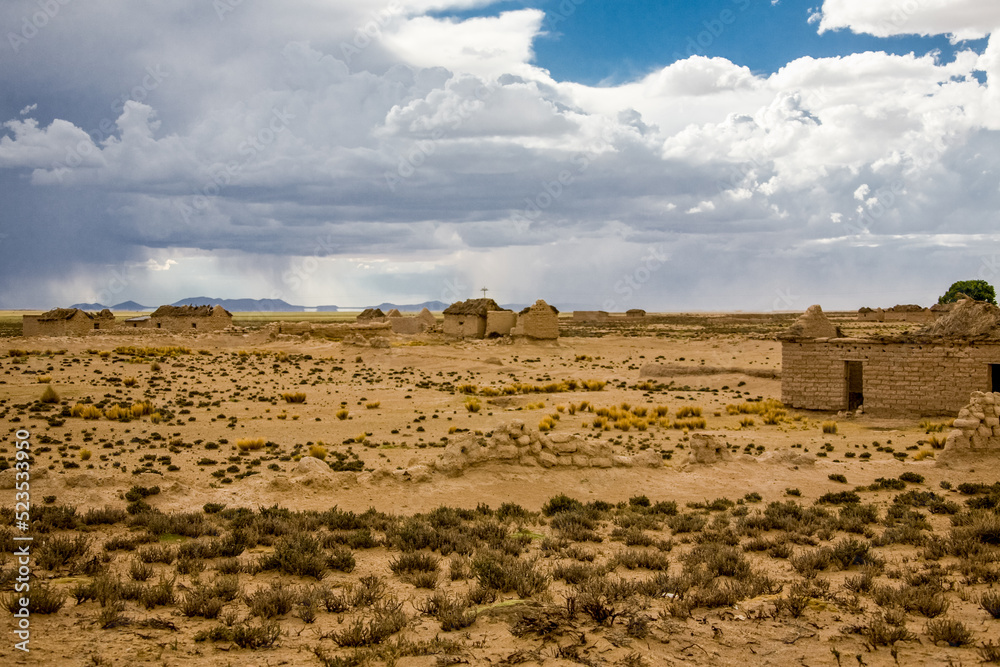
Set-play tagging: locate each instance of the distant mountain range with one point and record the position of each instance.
(264, 306)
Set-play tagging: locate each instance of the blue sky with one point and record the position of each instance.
(602, 42)
(712, 155)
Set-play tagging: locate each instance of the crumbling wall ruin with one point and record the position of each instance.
(977, 427)
(539, 321)
(500, 322)
(514, 442)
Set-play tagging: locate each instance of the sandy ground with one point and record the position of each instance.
(229, 388)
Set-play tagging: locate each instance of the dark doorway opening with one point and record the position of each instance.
(855, 385)
(994, 377)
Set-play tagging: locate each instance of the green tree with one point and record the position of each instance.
(977, 289)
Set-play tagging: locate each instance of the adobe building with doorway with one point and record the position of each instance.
(927, 373)
(190, 318)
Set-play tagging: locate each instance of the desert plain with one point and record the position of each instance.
(631, 494)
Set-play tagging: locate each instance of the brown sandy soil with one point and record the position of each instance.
(769, 609)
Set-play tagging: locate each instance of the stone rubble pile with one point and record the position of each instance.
(977, 426)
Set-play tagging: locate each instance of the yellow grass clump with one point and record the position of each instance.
(156, 418)
(169, 351)
(318, 451)
(689, 423)
(142, 408)
(931, 427)
(547, 424)
(747, 422)
(250, 444)
(829, 427)
(688, 411)
(296, 397)
(44, 379)
(472, 404)
(49, 395)
(468, 388)
(85, 454)
(342, 414)
(374, 405)
(130, 381)
(86, 411)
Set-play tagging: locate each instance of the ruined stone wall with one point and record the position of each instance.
(977, 427)
(877, 315)
(407, 326)
(500, 322)
(589, 316)
(921, 316)
(465, 326)
(899, 379)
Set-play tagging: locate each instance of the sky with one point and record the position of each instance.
(748, 155)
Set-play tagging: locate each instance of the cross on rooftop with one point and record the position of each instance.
(483, 290)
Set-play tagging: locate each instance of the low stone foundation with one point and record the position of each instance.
(514, 442)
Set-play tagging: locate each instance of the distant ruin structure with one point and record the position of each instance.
(930, 372)
(590, 316)
(635, 312)
(903, 313)
(427, 317)
(372, 315)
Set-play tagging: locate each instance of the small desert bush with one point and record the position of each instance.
(244, 634)
(342, 414)
(374, 405)
(472, 404)
(497, 571)
(42, 600)
(386, 619)
(408, 563)
(318, 451)
(951, 632)
(829, 427)
(299, 554)
(275, 600)
(296, 397)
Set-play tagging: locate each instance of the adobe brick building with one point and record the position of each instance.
(929, 373)
(190, 318)
(66, 322)
(467, 319)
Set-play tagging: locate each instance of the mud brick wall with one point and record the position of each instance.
(899, 379)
